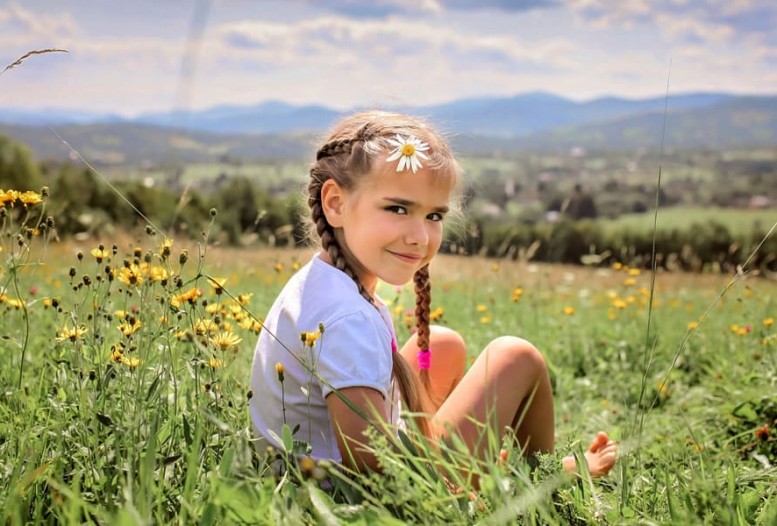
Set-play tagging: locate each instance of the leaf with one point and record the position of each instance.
(288, 438)
(745, 411)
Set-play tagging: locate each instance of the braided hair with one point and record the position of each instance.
(346, 157)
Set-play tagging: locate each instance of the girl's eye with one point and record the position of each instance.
(397, 209)
(435, 217)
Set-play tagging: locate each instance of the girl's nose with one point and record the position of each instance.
(417, 233)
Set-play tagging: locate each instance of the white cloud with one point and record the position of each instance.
(29, 25)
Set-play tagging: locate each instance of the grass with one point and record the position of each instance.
(125, 402)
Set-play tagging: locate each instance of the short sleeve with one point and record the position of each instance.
(355, 351)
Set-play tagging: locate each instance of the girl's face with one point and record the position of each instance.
(392, 222)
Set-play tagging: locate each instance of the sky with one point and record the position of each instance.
(139, 56)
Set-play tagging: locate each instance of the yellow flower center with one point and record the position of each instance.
(408, 150)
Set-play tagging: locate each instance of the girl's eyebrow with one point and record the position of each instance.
(412, 204)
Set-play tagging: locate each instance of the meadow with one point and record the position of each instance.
(125, 390)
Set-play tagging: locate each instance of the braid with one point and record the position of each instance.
(423, 300)
(333, 148)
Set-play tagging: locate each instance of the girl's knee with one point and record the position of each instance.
(519, 351)
(449, 343)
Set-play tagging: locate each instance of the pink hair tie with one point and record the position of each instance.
(425, 359)
(393, 345)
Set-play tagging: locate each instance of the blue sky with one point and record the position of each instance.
(129, 57)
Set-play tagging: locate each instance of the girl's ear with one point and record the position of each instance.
(332, 202)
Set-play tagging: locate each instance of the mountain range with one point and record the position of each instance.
(537, 121)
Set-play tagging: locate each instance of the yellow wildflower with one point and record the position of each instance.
(130, 327)
(517, 293)
(295, 265)
(693, 325)
(619, 304)
(29, 198)
(8, 196)
(217, 284)
(100, 253)
(157, 273)
(202, 327)
(131, 275)
(481, 308)
(768, 322)
(120, 314)
(310, 338)
(278, 267)
(485, 320)
(225, 340)
(617, 266)
(130, 361)
(629, 282)
(189, 296)
(164, 250)
(74, 334)
(634, 272)
(14, 302)
(245, 298)
(215, 363)
(436, 314)
(569, 310)
(47, 302)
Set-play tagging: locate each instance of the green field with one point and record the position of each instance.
(125, 393)
(737, 221)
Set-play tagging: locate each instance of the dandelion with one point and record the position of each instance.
(436, 314)
(14, 302)
(481, 308)
(295, 265)
(617, 266)
(569, 310)
(47, 302)
(629, 282)
(693, 325)
(768, 322)
(225, 340)
(278, 267)
(634, 272)
(279, 370)
(485, 320)
(74, 334)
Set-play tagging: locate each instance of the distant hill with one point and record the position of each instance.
(507, 117)
(478, 126)
(738, 122)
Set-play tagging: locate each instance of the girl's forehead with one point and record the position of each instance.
(384, 179)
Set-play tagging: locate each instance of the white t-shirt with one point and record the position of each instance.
(354, 350)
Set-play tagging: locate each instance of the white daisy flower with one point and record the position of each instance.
(408, 150)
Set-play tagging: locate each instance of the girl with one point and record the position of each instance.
(378, 193)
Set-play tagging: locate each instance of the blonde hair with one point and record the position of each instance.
(347, 157)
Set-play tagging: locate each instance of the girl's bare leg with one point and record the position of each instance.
(449, 359)
(508, 385)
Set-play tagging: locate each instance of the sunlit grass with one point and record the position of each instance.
(126, 370)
